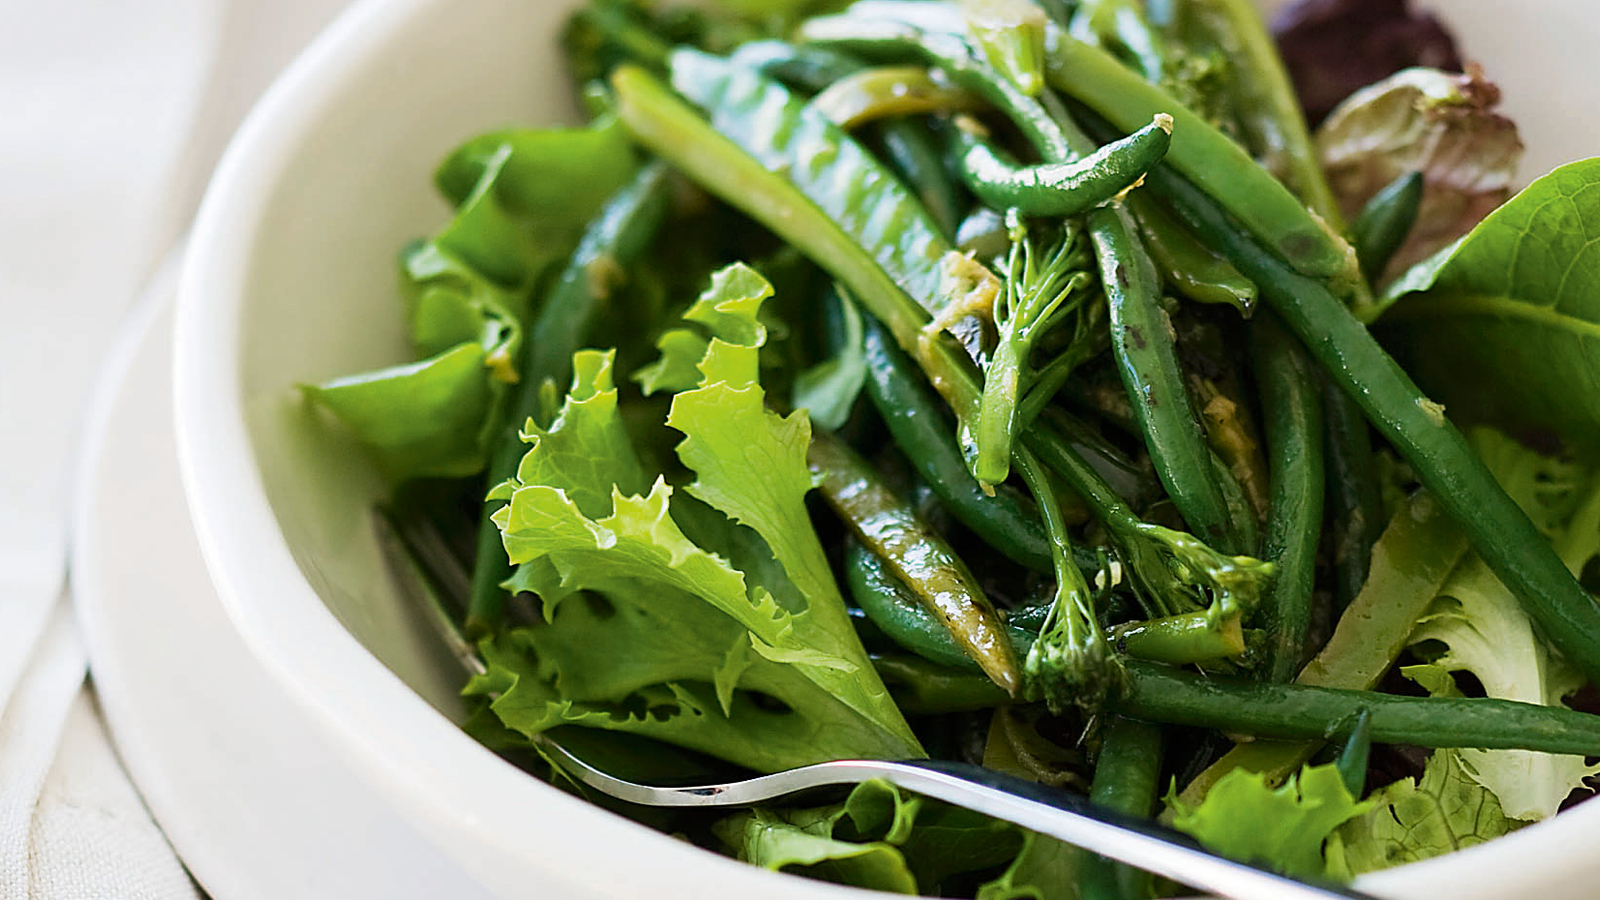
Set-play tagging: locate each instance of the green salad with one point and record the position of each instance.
(1020, 382)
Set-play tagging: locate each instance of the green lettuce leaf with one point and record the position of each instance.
(432, 418)
(523, 196)
(452, 303)
(672, 640)
(1411, 820)
(1284, 828)
(1044, 869)
(879, 837)
(1504, 326)
(1476, 625)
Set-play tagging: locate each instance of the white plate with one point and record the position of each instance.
(246, 789)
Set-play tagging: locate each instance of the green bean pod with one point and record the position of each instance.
(1217, 165)
(1385, 222)
(885, 91)
(1059, 188)
(892, 609)
(1291, 402)
(1279, 712)
(616, 238)
(1144, 345)
(1296, 712)
(1186, 266)
(920, 558)
(1509, 543)
(1355, 504)
(1127, 779)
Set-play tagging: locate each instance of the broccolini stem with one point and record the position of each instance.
(1071, 663)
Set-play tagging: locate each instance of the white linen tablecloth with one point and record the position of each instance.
(112, 115)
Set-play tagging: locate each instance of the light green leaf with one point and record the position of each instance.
(1283, 828)
(585, 451)
(1504, 327)
(1410, 820)
(750, 464)
(1477, 625)
(1044, 869)
(678, 366)
(424, 419)
(765, 838)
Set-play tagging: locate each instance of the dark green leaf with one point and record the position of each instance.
(1504, 327)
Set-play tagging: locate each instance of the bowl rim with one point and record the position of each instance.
(370, 712)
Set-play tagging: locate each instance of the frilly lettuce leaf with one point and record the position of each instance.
(1503, 327)
(1284, 828)
(685, 642)
(1441, 124)
(1476, 625)
(1044, 869)
(1411, 820)
(879, 837)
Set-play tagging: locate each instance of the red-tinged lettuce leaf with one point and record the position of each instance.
(1332, 48)
(1282, 828)
(1504, 327)
(1423, 120)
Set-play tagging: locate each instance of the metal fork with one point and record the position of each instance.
(1068, 817)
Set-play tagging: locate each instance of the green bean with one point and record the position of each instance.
(1185, 265)
(917, 425)
(1291, 404)
(1510, 544)
(1385, 222)
(1217, 165)
(885, 91)
(918, 557)
(1267, 107)
(1127, 779)
(911, 150)
(1143, 342)
(922, 688)
(898, 616)
(1059, 188)
(1300, 712)
(1280, 712)
(614, 240)
(1355, 504)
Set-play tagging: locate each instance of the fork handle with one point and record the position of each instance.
(1137, 842)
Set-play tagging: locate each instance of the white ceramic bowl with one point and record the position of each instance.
(289, 279)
